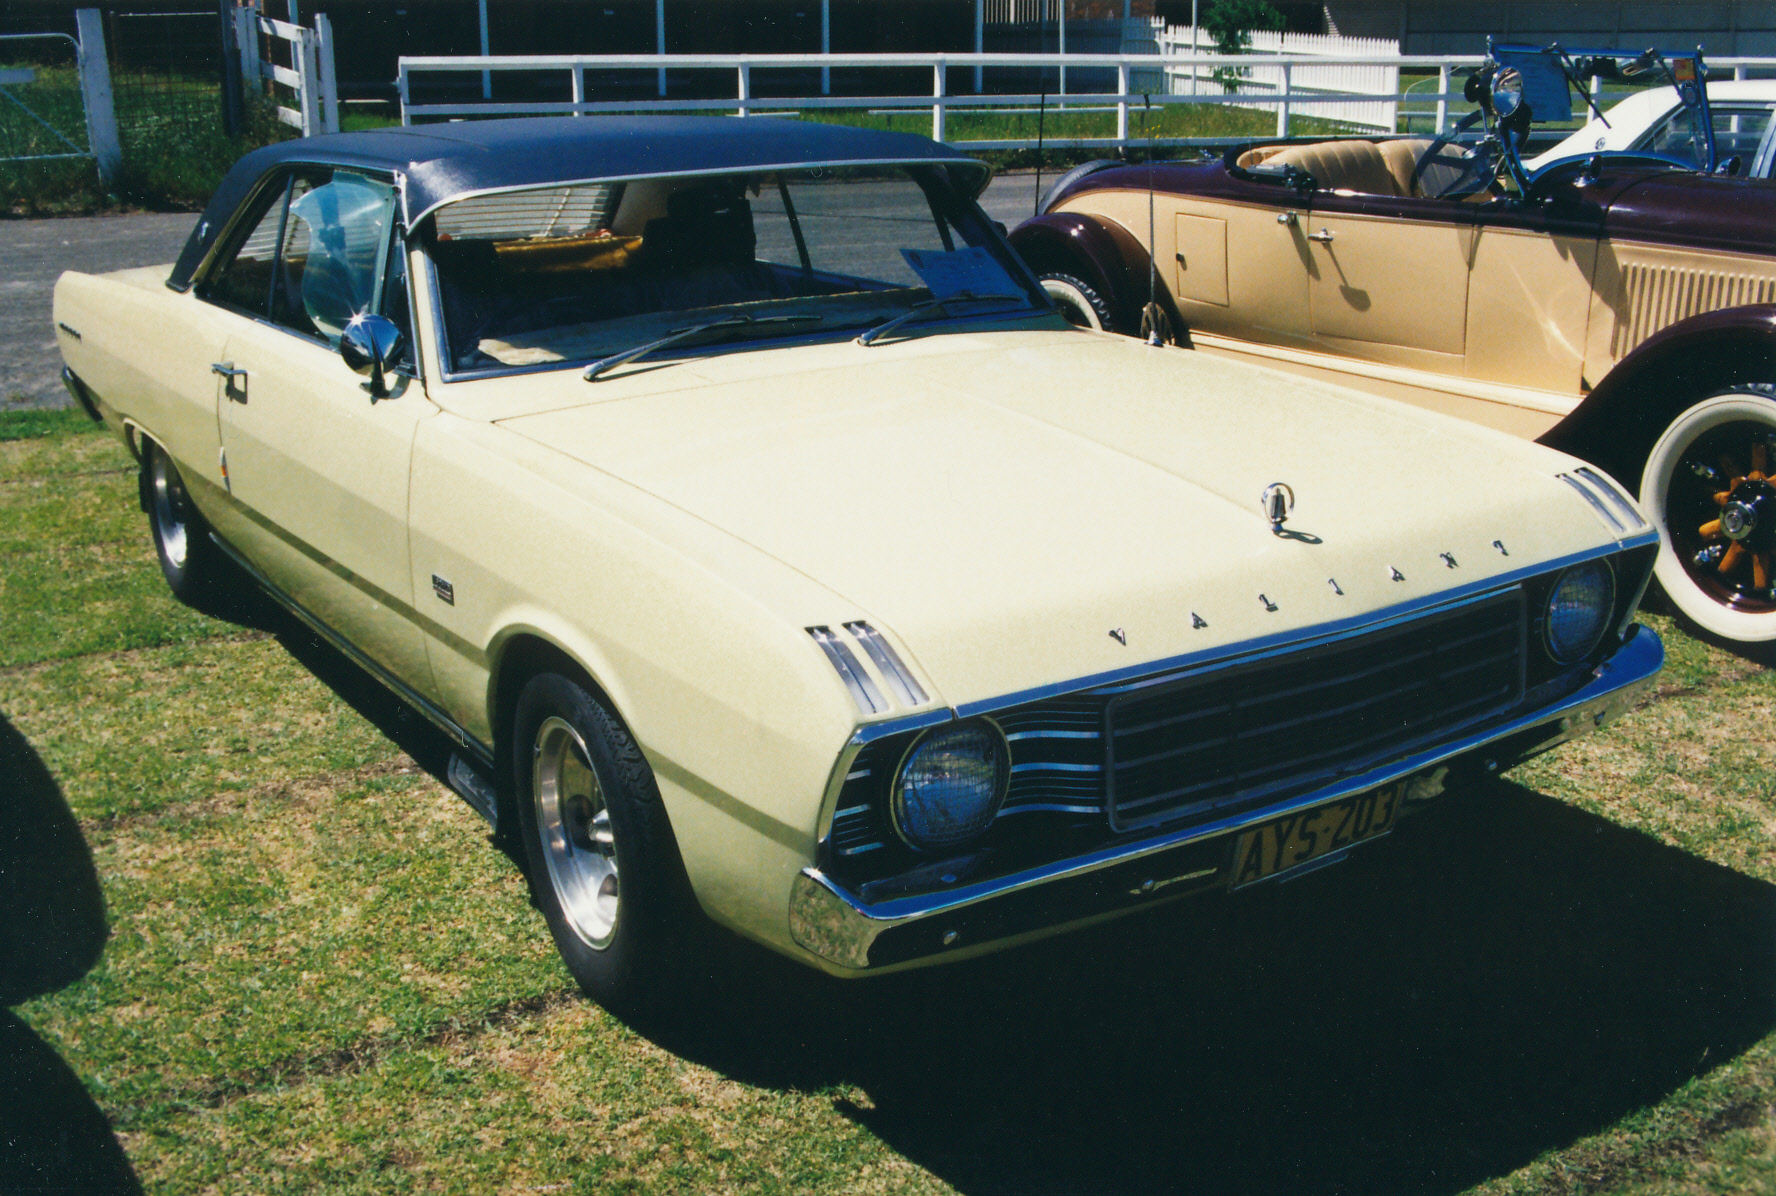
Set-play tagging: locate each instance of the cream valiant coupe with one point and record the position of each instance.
(772, 550)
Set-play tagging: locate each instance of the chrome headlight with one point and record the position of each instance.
(1579, 608)
(950, 784)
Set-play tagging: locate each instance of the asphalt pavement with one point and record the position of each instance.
(34, 252)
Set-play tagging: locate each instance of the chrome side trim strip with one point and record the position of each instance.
(839, 929)
(869, 699)
(427, 625)
(888, 663)
(482, 752)
(1231, 654)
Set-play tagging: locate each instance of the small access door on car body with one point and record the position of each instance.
(316, 465)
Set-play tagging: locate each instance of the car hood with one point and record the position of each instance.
(1021, 508)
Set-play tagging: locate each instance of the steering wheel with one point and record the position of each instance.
(1476, 166)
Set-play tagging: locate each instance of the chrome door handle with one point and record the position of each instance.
(234, 382)
(1324, 236)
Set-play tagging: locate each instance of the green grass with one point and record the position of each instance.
(321, 975)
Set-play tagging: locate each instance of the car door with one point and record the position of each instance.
(318, 469)
(1388, 279)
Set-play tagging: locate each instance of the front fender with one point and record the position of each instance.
(1096, 251)
(1668, 372)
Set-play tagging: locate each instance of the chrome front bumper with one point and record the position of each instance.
(847, 936)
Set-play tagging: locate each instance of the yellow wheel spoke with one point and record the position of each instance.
(1760, 570)
(1710, 530)
(1730, 559)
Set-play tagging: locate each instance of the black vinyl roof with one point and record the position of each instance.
(443, 162)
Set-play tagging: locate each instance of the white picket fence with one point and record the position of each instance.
(1258, 86)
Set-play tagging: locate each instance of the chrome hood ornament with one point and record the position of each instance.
(1277, 501)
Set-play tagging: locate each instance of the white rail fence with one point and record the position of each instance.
(1282, 90)
(1135, 74)
(308, 74)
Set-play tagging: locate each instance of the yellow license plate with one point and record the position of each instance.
(1313, 835)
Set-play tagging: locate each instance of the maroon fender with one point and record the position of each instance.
(1097, 252)
(1623, 415)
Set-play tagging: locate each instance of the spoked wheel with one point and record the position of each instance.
(603, 865)
(1708, 483)
(194, 568)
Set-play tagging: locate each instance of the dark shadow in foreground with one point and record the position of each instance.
(1505, 975)
(52, 929)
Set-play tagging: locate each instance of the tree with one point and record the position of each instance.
(1230, 23)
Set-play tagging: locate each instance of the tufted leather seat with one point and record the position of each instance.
(1372, 167)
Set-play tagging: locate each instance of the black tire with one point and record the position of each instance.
(1079, 301)
(603, 865)
(197, 571)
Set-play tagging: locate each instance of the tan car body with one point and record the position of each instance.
(1508, 327)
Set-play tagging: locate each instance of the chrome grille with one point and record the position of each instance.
(1195, 745)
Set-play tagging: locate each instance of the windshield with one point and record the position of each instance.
(577, 274)
(1611, 97)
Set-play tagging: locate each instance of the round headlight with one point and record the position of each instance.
(950, 785)
(1579, 609)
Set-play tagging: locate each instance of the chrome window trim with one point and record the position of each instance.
(1008, 257)
(942, 164)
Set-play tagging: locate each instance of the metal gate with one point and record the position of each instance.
(55, 97)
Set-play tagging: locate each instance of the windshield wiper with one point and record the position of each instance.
(679, 335)
(870, 336)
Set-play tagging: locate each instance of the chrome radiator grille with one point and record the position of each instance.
(1191, 746)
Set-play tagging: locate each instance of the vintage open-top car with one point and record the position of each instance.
(1619, 305)
(770, 547)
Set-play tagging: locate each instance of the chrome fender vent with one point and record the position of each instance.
(862, 687)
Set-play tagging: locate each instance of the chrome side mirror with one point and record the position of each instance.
(368, 344)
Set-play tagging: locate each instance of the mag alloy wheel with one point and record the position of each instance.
(573, 825)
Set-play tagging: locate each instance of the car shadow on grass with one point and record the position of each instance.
(52, 930)
(1507, 975)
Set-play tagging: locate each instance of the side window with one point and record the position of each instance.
(314, 258)
(335, 246)
(245, 282)
(1740, 131)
